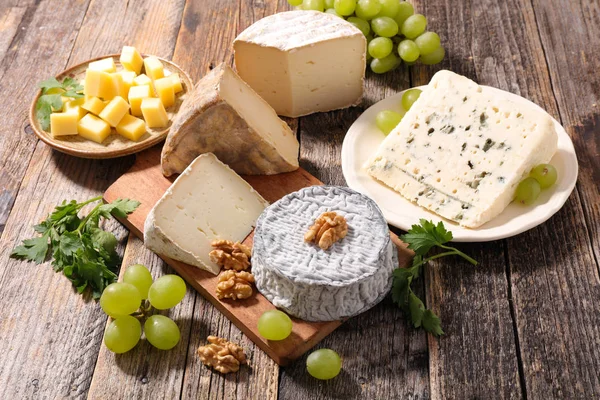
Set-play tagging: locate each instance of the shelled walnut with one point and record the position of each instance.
(230, 255)
(327, 229)
(235, 285)
(222, 355)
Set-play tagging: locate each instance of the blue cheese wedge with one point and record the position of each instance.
(351, 276)
(461, 151)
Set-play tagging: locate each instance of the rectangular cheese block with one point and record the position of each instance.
(63, 124)
(153, 68)
(208, 201)
(135, 97)
(114, 111)
(303, 62)
(131, 127)
(165, 90)
(461, 151)
(105, 65)
(154, 113)
(93, 128)
(131, 59)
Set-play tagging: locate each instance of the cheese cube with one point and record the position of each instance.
(131, 59)
(99, 84)
(93, 128)
(131, 127)
(63, 124)
(123, 80)
(303, 62)
(176, 82)
(141, 80)
(165, 90)
(154, 113)
(104, 65)
(114, 111)
(128, 79)
(93, 105)
(75, 106)
(136, 95)
(153, 68)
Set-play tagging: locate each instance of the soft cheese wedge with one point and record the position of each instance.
(224, 116)
(461, 151)
(207, 201)
(303, 62)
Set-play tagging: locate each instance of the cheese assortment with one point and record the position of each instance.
(460, 152)
(223, 115)
(303, 62)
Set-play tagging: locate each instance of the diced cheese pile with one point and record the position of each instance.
(118, 98)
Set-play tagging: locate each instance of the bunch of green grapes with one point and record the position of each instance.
(394, 32)
(132, 300)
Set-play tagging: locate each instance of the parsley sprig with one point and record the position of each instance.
(421, 239)
(79, 247)
(51, 99)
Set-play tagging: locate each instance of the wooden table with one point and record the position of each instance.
(525, 323)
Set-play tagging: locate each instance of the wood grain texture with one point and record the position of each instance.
(10, 19)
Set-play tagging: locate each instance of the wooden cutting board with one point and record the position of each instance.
(144, 182)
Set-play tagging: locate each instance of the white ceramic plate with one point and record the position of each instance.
(363, 139)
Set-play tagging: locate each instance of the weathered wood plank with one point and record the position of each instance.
(10, 19)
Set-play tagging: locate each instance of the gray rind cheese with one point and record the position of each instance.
(350, 277)
(224, 116)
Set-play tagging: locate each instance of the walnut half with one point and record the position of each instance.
(222, 355)
(327, 229)
(230, 255)
(235, 285)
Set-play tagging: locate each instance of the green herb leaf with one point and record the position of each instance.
(431, 323)
(119, 208)
(50, 102)
(417, 309)
(49, 83)
(34, 249)
(421, 238)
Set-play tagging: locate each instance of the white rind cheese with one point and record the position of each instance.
(461, 152)
(224, 116)
(207, 201)
(313, 284)
(303, 62)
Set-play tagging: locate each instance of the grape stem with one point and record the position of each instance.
(144, 311)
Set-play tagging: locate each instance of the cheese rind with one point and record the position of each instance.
(303, 62)
(208, 201)
(461, 152)
(224, 116)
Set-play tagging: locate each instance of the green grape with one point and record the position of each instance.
(380, 47)
(274, 325)
(428, 42)
(120, 298)
(317, 5)
(434, 57)
(367, 9)
(344, 7)
(166, 292)
(328, 3)
(387, 120)
(405, 10)
(384, 26)
(528, 191)
(123, 334)
(332, 12)
(383, 65)
(389, 8)
(414, 26)
(361, 24)
(294, 2)
(162, 332)
(409, 97)
(140, 277)
(545, 174)
(324, 364)
(408, 50)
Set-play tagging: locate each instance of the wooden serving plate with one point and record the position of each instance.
(145, 182)
(115, 145)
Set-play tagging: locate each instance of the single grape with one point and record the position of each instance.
(332, 12)
(414, 26)
(389, 8)
(409, 97)
(162, 332)
(367, 9)
(384, 26)
(120, 298)
(166, 292)
(408, 50)
(140, 277)
(405, 10)
(324, 364)
(294, 2)
(344, 7)
(317, 5)
(545, 174)
(123, 334)
(274, 325)
(434, 57)
(383, 65)
(328, 3)
(428, 42)
(387, 120)
(361, 24)
(380, 47)
(527, 191)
